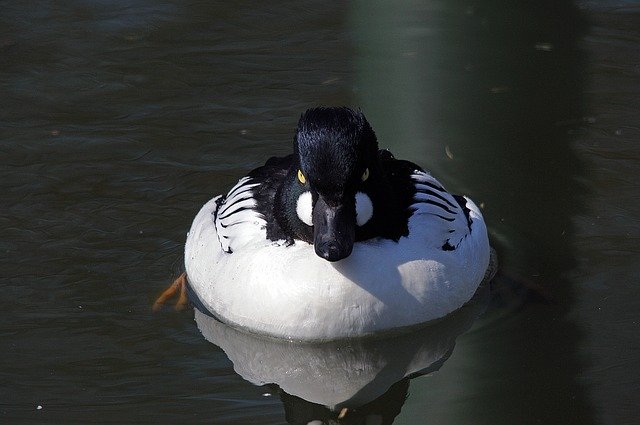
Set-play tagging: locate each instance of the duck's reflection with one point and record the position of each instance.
(350, 381)
(382, 410)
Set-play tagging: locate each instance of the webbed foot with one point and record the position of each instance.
(178, 286)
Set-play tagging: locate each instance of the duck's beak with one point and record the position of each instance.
(333, 229)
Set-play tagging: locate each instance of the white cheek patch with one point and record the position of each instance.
(364, 208)
(304, 208)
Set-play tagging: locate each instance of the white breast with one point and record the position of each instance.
(289, 292)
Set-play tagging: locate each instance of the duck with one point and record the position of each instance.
(337, 240)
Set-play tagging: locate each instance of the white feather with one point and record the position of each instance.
(364, 208)
(304, 208)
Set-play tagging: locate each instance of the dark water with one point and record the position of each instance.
(118, 120)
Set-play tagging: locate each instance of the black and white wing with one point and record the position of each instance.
(236, 219)
(451, 214)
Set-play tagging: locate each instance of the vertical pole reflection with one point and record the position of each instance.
(487, 95)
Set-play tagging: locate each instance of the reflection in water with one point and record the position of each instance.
(348, 381)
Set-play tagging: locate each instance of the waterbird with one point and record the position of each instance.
(338, 239)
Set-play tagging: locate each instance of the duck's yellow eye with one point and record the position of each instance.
(365, 175)
(301, 177)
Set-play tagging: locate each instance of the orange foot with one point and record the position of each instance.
(180, 284)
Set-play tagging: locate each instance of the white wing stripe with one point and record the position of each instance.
(431, 198)
(241, 184)
(238, 209)
(236, 206)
